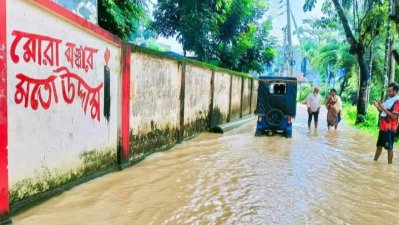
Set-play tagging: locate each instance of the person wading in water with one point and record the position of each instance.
(388, 122)
(334, 107)
(313, 102)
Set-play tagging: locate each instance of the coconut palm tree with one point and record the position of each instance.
(359, 36)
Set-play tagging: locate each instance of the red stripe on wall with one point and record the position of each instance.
(61, 11)
(4, 198)
(125, 126)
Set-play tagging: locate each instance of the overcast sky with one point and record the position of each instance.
(278, 13)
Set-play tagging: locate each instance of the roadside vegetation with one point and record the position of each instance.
(351, 48)
(349, 110)
(233, 34)
(370, 124)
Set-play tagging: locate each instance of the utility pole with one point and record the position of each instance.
(289, 38)
(285, 65)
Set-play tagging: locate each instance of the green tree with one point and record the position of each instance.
(389, 63)
(120, 17)
(227, 32)
(244, 43)
(330, 56)
(359, 35)
(192, 22)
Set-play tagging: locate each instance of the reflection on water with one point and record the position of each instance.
(318, 177)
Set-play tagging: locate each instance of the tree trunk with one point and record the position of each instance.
(344, 84)
(393, 70)
(364, 75)
(386, 71)
(345, 23)
(364, 84)
(328, 76)
(367, 7)
(392, 63)
(333, 78)
(371, 54)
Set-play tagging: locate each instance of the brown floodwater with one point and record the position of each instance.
(318, 177)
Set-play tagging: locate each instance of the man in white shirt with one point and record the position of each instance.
(313, 102)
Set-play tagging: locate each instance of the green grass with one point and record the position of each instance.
(371, 122)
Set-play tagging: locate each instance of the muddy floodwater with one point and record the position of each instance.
(317, 177)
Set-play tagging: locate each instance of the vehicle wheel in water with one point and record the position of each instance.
(288, 134)
(274, 117)
(258, 133)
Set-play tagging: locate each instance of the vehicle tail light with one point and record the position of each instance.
(289, 120)
(259, 119)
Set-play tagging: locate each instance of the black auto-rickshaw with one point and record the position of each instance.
(276, 106)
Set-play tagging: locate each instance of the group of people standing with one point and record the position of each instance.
(333, 104)
(388, 119)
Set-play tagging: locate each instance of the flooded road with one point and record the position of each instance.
(318, 177)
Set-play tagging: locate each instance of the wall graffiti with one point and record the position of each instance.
(61, 74)
(86, 93)
(44, 51)
(81, 57)
(33, 48)
(72, 85)
(24, 94)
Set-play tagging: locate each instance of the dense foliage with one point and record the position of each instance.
(362, 48)
(120, 17)
(228, 33)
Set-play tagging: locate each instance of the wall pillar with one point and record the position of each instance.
(4, 196)
(251, 96)
(242, 97)
(211, 120)
(230, 98)
(124, 122)
(182, 100)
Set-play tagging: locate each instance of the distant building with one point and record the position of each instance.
(86, 9)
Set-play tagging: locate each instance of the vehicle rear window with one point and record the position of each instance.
(278, 88)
